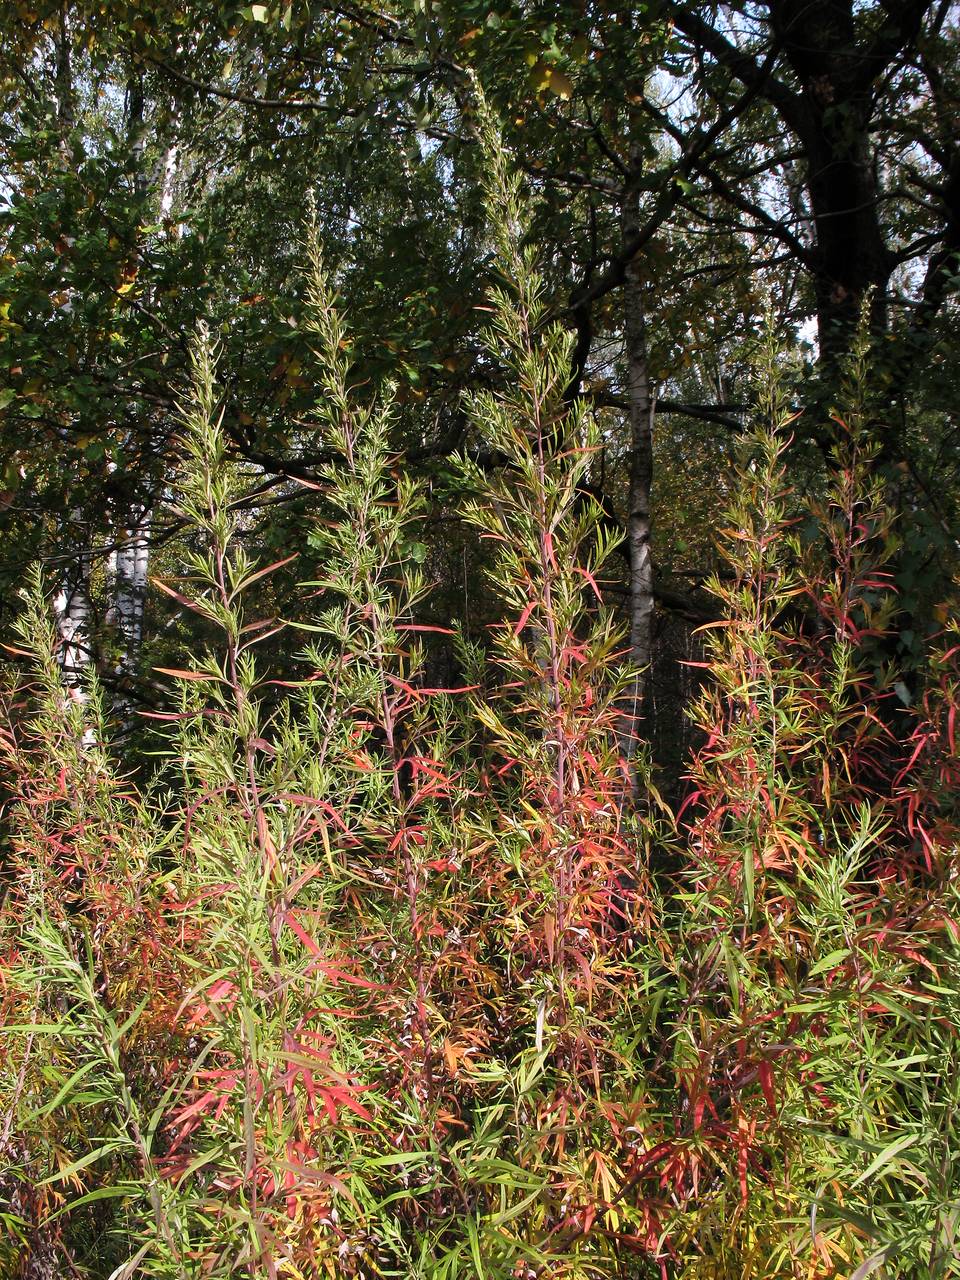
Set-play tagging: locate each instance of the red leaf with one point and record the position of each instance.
(590, 578)
(698, 1109)
(308, 942)
(522, 621)
(262, 573)
(180, 598)
(765, 1074)
(345, 1099)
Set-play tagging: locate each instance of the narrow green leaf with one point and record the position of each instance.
(66, 1089)
(90, 1158)
(121, 1190)
(475, 1247)
(884, 1158)
(829, 961)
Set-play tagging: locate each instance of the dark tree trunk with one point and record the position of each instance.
(836, 86)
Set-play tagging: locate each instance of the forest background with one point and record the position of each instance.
(561, 399)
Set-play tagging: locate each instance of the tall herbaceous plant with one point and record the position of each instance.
(381, 979)
(347, 991)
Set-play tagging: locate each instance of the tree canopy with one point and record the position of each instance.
(561, 397)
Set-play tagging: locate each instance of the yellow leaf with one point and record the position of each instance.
(561, 84)
(543, 76)
(540, 75)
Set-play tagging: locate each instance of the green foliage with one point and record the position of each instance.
(383, 979)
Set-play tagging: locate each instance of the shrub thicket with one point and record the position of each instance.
(377, 979)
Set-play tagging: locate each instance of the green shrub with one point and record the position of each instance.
(377, 979)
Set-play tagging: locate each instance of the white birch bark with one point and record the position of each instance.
(72, 608)
(640, 402)
(129, 572)
(168, 186)
(130, 562)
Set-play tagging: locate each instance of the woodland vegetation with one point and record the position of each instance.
(478, 535)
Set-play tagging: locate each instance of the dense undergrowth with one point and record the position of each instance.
(383, 980)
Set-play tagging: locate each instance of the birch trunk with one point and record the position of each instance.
(72, 608)
(73, 613)
(130, 565)
(168, 185)
(638, 709)
(72, 603)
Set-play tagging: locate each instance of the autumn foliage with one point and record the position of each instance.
(379, 979)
